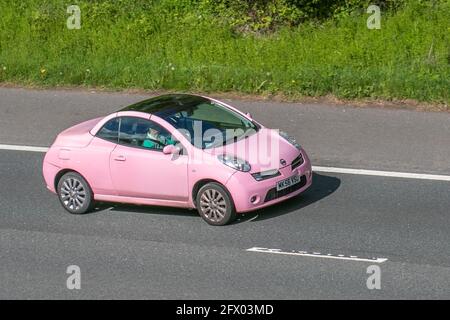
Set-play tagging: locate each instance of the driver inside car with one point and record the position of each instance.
(155, 140)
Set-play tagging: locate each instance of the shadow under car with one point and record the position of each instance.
(321, 187)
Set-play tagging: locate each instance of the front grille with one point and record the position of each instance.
(264, 175)
(297, 161)
(273, 194)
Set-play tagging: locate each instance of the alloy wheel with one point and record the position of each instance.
(72, 193)
(213, 205)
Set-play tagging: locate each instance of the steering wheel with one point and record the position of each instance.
(156, 141)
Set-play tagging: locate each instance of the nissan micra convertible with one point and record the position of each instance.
(177, 150)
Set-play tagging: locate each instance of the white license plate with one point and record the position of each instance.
(286, 183)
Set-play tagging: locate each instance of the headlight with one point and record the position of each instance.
(234, 162)
(290, 139)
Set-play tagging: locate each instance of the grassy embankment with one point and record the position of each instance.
(175, 46)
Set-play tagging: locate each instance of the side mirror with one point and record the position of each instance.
(248, 114)
(170, 149)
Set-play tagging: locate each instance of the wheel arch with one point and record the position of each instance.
(199, 184)
(63, 172)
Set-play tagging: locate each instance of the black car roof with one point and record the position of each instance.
(167, 103)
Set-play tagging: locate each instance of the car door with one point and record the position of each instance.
(100, 148)
(140, 169)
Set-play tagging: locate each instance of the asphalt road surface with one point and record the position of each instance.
(126, 251)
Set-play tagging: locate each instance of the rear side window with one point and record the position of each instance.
(110, 130)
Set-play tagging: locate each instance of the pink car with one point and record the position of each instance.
(176, 150)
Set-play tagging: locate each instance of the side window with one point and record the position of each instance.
(141, 133)
(110, 130)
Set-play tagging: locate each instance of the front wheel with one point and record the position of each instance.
(215, 205)
(74, 193)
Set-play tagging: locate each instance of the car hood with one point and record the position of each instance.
(263, 150)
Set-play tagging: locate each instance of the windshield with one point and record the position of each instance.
(208, 124)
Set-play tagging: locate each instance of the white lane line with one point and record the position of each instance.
(317, 255)
(364, 172)
(23, 148)
(391, 174)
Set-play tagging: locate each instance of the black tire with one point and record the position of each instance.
(215, 205)
(75, 194)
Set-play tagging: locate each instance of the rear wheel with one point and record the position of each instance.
(215, 205)
(75, 194)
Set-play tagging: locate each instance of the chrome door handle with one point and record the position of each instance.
(120, 158)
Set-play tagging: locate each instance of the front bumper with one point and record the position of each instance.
(244, 188)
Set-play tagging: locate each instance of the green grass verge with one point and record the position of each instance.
(172, 45)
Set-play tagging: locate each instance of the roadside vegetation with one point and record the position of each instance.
(295, 48)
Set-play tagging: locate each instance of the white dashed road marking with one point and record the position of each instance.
(317, 255)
